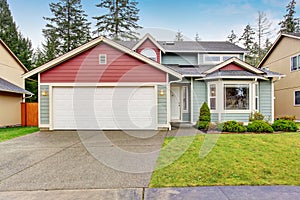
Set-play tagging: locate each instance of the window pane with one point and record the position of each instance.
(297, 98)
(212, 58)
(236, 97)
(213, 90)
(213, 103)
(294, 63)
(185, 98)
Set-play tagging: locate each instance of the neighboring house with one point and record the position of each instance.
(284, 57)
(149, 84)
(11, 87)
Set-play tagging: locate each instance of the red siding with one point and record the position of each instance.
(149, 44)
(231, 67)
(120, 67)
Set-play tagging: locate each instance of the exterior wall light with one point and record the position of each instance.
(44, 93)
(161, 92)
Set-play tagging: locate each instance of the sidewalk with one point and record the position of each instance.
(190, 193)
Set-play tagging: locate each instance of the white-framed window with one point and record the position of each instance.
(102, 59)
(297, 98)
(217, 58)
(212, 97)
(149, 53)
(185, 98)
(236, 97)
(295, 63)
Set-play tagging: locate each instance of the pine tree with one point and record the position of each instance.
(248, 37)
(232, 37)
(179, 36)
(197, 38)
(290, 24)
(121, 20)
(69, 23)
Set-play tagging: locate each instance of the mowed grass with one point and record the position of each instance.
(237, 159)
(10, 133)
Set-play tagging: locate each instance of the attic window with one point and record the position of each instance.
(149, 53)
(102, 59)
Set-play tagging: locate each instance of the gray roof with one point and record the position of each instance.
(192, 46)
(190, 70)
(293, 34)
(232, 73)
(271, 73)
(6, 86)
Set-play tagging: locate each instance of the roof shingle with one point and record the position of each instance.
(6, 86)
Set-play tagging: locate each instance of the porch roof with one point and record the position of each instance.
(6, 86)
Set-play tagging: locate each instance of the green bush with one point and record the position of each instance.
(259, 126)
(256, 116)
(284, 125)
(204, 117)
(202, 125)
(215, 126)
(233, 126)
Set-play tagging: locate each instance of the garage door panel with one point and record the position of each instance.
(104, 108)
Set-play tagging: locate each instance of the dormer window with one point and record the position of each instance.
(149, 53)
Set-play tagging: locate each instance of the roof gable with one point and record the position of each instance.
(238, 65)
(13, 55)
(92, 44)
(144, 39)
(275, 44)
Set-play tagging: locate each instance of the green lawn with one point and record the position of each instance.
(9, 133)
(236, 159)
(298, 124)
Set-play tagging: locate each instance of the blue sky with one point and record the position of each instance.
(212, 19)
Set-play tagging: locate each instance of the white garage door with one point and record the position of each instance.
(105, 108)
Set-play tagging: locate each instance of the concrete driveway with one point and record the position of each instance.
(79, 160)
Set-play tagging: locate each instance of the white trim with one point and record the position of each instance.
(192, 100)
(295, 98)
(104, 57)
(156, 104)
(233, 77)
(221, 56)
(298, 58)
(93, 43)
(273, 102)
(199, 51)
(117, 84)
(50, 108)
(39, 100)
(149, 50)
(209, 97)
(238, 62)
(151, 38)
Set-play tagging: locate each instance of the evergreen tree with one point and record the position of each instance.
(248, 37)
(179, 36)
(121, 20)
(50, 47)
(69, 23)
(8, 28)
(197, 38)
(232, 37)
(290, 24)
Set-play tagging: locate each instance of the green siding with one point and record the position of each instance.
(44, 105)
(199, 96)
(240, 117)
(162, 105)
(180, 59)
(265, 99)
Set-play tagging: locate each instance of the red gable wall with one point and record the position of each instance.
(149, 44)
(231, 67)
(120, 67)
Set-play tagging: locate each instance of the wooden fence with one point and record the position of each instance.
(29, 114)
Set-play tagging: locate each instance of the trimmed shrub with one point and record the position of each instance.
(256, 116)
(284, 125)
(259, 126)
(234, 126)
(204, 117)
(288, 117)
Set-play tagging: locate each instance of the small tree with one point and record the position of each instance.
(179, 36)
(204, 117)
(232, 37)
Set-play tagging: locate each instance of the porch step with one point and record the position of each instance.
(186, 125)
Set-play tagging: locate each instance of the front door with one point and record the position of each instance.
(175, 104)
